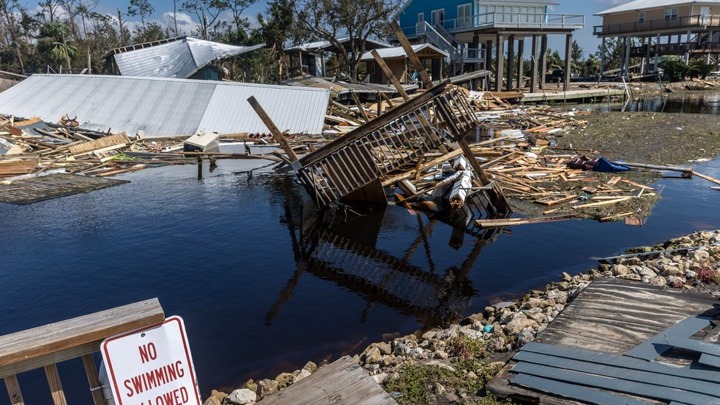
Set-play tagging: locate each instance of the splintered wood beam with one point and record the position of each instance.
(363, 114)
(395, 82)
(400, 35)
(277, 135)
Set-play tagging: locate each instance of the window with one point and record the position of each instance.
(641, 17)
(437, 17)
(421, 17)
(464, 14)
(671, 14)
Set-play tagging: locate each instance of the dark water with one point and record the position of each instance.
(263, 285)
(689, 103)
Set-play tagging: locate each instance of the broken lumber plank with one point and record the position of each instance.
(497, 223)
(705, 177)
(424, 166)
(632, 183)
(680, 169)
(597, 204)
(550, 203)
(99, 144)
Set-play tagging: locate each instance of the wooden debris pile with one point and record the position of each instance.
(33, 147)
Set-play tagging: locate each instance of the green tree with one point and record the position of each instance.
(576, 56)
(276, 30)
(207, 13)
(141, 8)
(357, 20)
(673, 67)
(54, 45)
(700, 68)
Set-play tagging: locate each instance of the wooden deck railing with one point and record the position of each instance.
(45, 346)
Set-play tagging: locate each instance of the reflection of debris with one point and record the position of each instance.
(47, 187)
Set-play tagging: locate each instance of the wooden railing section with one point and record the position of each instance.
(45, 346)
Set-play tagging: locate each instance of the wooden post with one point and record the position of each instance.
(277, 135)
(568, 48)
(499, 60)
(510, 63)
(199, 165)
(424, 78)
(93, 381)
(363, 114)
(55, 385)
(543, 60)
(379, 104)
(13, 389)
(400, 89)
(520, 51)
(534, 64)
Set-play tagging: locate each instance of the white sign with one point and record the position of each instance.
(151, 366)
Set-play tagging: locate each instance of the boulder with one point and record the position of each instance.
(620, 270)
(304, 373)
(371, 356)
(242, 397)
(266, 387)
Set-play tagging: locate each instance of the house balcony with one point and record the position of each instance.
(504, 20)
(675, 49)
(694, 22)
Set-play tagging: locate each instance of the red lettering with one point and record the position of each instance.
(180, 371)
(147, 352)
(168, 398)
(185, 395)
(129, 388)
(137, 383)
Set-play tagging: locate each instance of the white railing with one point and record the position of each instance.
(506, 20)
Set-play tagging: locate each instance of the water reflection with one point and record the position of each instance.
(682, 104)
(343, 250)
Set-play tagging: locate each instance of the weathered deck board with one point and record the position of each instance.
(342, 382)
(610, 316)
(43, 188)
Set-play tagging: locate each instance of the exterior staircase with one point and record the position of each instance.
(444, 40)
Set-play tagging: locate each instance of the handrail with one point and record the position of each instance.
(658, 24)
(45, 346)
(505, 19)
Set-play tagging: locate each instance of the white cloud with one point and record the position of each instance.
(185, 23)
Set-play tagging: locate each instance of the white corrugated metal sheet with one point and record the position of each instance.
(179, 59)
(165, 107)
(399, 52)
(644, 4)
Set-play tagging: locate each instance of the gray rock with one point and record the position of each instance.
(671, 270)
(302, 375)
(266, 387)
(242, 397)
(310, 366)
(620, 270)
(380, 378)
(701, 256)
(647, 272)
(284, 379)
(658, 281)
(526, 335)
(566, 277)
(371, 356)
(384, 348)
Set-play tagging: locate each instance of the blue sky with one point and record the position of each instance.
(585, 38)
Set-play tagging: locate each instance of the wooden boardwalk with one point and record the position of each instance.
(570, 95)
(342, 382)
(611, 316)
(43, 188)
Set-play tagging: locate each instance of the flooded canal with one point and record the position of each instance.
(264, 285)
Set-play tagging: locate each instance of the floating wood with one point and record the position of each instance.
(99, 144)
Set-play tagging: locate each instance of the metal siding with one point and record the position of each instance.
(164, 107)
(399, 52)
(298, 110)
(166, 60)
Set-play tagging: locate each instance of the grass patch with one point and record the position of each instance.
(467, 375)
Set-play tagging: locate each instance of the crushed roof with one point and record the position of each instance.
(165, 107)
(179, 58)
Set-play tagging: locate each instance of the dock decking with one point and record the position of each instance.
(570, 95)
(342, 382)
(43, 188)
(611, 316)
